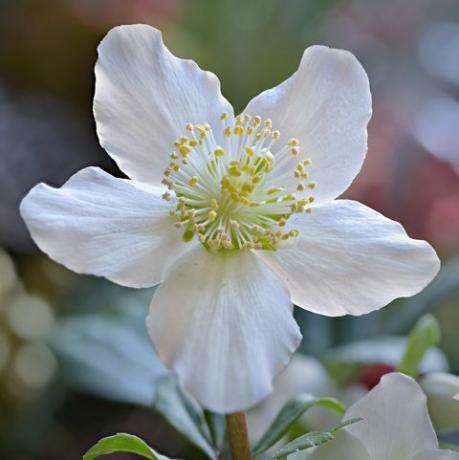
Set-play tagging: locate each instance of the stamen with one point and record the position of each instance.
(239, 195)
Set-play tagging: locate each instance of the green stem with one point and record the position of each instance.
(237, 436)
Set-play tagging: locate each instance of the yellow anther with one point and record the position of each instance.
(189, 127)
(312, 185)
(293, 142)
(275, 135)
(247, 188)
(309, 210)
(307, 162)
(174, 156)
(273, 190)
(282, 222)
(193, 180)
(223, 116)
(219, 151)
(194, 142)
(234, 171)
(184, 149)
(247, 117)
(249, 151)
(238, 130)
(166, 196)
(256, 120)
(311, 199)
(227, 131)
(212, 215)
(300, 188)
(294, 151)
(268, 123)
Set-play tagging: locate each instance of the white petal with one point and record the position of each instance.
(145, 96)
(396, 423)
(345, 446)
(224, 323)
(326, 104)
(437, 454)
(349, 259)
(100, 225)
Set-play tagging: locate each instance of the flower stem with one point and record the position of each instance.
(237, 436)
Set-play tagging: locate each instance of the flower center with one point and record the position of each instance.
(240, 196)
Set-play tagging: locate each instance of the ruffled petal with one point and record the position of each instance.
(326, 104)
(224, 323)
(349, 259)
(396, 423)
(145, 96)
(100, 225)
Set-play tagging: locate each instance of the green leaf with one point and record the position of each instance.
(313, 439)
(292, 410)
(449, 446)
(183, 413)
(345, 423)
(425, 334)
(122, 442)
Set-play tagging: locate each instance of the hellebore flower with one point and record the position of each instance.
(395, 426)
(233, 215)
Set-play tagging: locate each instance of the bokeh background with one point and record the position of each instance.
(75, 361)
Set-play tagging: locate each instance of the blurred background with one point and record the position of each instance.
(75, 361)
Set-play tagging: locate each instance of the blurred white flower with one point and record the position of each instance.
(232, 239)
(395, 426)
(441, 389)
(26, 362)
(303, 375)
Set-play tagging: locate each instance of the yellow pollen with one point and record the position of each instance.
(219, 152)
(234, 196)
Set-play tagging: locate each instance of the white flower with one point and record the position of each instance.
(441, 389)
(395, 426)
(228, 238)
